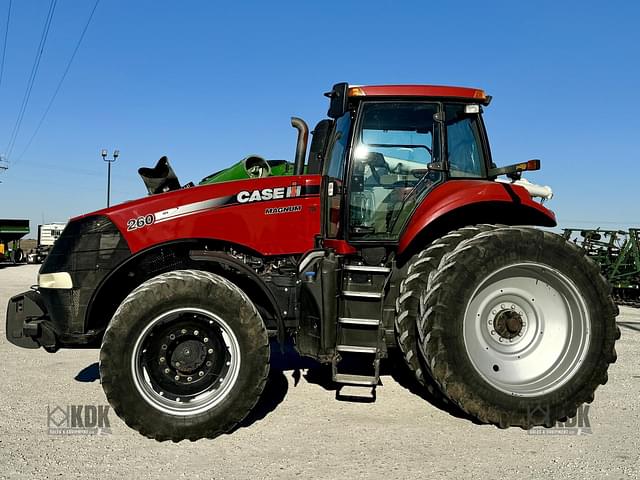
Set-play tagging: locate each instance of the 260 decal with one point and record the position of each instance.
(140, 222)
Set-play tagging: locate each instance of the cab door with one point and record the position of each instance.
(333, 177)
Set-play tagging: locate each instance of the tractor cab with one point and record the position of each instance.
(390, 146)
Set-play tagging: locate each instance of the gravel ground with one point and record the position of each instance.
(300, 431)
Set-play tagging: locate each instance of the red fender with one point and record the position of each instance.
(456, 194)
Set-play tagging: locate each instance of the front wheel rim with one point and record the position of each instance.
(526, 329)
(185, 361)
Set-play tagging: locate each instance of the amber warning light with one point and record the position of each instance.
(515, 170)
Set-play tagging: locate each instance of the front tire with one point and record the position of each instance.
(185, 356)
(518, 327)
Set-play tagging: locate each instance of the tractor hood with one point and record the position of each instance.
(162, 178)
(250, 212)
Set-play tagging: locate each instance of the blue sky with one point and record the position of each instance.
(207, 83)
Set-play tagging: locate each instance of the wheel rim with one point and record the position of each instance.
(526, 329)
(185, 361)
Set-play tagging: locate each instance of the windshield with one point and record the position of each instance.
(395, 143)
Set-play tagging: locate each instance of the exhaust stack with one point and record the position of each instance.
(301, 147)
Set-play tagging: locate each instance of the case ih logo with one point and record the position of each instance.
(277, 193)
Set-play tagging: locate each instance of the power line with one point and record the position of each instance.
(32, 78)
(4, 45)
(64, 75)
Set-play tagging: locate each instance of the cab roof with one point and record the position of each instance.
(435, 91)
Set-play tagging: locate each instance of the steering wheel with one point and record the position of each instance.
(376, 160)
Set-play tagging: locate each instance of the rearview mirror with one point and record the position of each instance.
(339, 99)
(436, 167)
(431, 167)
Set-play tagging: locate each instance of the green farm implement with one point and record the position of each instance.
(11, 231)
(618, 254)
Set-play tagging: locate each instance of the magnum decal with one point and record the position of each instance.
(287, 209)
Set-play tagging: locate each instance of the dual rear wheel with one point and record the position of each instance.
(514, 325)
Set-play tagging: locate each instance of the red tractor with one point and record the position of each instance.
(395, 232)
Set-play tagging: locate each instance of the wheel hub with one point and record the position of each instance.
(508, 324)
(188, 356)
(507, 321)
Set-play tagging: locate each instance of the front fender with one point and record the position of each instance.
(462, 202)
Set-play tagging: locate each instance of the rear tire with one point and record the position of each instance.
(485, 315)
(413, 286)
(185, 356)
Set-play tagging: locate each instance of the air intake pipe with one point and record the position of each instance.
(301, 147)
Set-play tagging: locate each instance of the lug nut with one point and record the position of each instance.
(210, 350)
(196, 332)
(164, 347)
(161, 359)
(166, 370)
(189, 379)
(205, 339)
(177, 364)
(183, 331)
(200, 373)
(208, 364)
(176, 378)
(172, 337)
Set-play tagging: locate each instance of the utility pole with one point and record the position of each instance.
(116, 154)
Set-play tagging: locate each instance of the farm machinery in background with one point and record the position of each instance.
(48, 233)
(11, 231)
(618, 254)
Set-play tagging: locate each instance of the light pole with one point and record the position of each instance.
(116, 154)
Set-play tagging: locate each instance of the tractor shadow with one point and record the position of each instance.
(88, 374)
(275, 390)
(635, 326)
(287, 362)
(395, 367)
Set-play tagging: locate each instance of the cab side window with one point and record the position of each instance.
(464, 146)
(337, 147)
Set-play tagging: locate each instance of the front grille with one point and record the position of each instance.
(88, 249)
